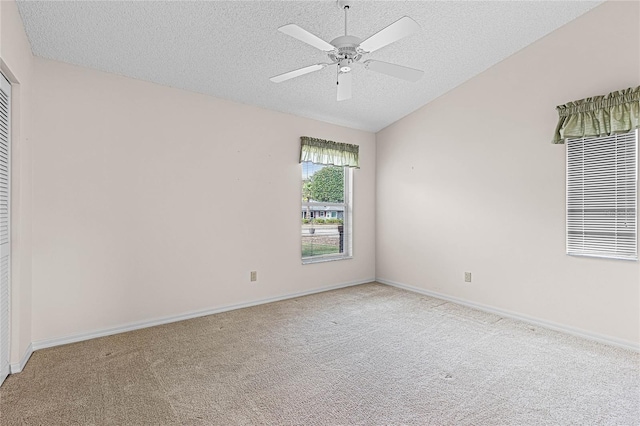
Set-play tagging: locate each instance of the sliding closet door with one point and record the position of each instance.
(5, 252)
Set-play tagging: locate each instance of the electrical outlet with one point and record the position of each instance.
(467, 277)
(254, 275)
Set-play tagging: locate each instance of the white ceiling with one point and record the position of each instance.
(229, 49)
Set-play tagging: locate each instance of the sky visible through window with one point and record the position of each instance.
(309, 168)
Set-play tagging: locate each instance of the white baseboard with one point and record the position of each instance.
(19, 366)
(57, 341)
(608, 340)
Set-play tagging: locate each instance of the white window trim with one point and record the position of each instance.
(347, 223)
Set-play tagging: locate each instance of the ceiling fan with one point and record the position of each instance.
(346, 50)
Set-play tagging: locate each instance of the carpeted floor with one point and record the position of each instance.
(366, 355)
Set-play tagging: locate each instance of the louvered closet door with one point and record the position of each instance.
(5, 252)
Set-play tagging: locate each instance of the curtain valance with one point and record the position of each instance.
(617, 112)
(321, 151)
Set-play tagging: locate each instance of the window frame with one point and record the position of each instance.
(347, 221)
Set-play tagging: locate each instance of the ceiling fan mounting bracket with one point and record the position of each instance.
(344, 4)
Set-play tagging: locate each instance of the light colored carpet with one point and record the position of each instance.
(365, 355)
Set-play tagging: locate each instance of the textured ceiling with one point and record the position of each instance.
(229, 49)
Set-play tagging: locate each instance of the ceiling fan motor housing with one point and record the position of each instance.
(346, 48)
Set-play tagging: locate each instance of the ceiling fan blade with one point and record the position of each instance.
(405, 73)
(296, 73)
(344, 86)
(401, 28)
(305, 36)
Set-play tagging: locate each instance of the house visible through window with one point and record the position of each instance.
(602, 177)
(326, 224)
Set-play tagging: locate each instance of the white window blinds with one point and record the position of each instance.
(602, 176)
(5, 208)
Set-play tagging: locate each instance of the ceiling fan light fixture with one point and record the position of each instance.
(345, 66)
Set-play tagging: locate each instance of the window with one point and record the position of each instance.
(326, 224)
(5, 223)
(602, 177)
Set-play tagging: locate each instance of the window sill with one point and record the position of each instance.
(321, 259)
(609, 256)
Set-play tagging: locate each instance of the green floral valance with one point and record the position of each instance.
(617, 112)
(321, 151)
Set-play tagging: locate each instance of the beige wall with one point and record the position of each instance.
(456, 194)
(151, 201)
(17, 63)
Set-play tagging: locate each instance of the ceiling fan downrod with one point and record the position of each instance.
(345, 7)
